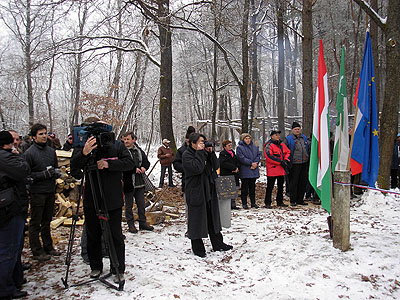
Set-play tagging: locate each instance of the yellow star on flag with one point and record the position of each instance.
(375, 132)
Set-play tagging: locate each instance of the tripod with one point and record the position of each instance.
(103, 216)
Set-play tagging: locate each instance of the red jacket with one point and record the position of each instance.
(166, 155)
(274, 153)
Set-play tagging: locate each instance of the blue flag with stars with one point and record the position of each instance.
(365, 145)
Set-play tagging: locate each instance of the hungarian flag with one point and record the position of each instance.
(341, 148)
(365, 150)
(320, 170)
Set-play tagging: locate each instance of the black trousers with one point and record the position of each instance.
(394, 178)
(216, 238)
(94, 233)
(248, 188)
(138, 194)
(163, 169)
(42, 209)
(270, 187)
(298, 182)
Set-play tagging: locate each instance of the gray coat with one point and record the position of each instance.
(199, 189)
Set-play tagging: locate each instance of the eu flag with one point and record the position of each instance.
(365, 152)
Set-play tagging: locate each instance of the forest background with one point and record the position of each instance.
(157, 66)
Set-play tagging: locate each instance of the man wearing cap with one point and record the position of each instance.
(299, 156)
(166, 156)
(277, 160)
(394, 167)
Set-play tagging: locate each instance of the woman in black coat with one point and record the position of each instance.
(203, 212)
(229, 165)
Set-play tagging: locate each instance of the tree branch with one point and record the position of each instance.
(372, 14)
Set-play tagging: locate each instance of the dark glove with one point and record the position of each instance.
(49, 172)
(285, 164)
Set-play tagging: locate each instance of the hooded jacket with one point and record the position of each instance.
(248, 154)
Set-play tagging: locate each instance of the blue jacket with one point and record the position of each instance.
(248, 154)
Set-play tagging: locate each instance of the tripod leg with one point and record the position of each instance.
(71, 238)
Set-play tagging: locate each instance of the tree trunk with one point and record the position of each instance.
(166, 127)
(215, 74)
(307, 67)
(28, 61)
(375, 51)
(244, 97)
(48, 94)
(254, 62)
(281, 68)
(78, 69)
(389, 116)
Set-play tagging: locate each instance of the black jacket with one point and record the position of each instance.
(177, 163)
(119, 160)
(67, 146)
(228, 164)
(199, 167)
(13, 172)
(39, 158)
(127, 176)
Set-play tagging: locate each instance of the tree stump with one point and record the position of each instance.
(341, 211)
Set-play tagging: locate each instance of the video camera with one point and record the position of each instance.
(209, 144)
(102, 132)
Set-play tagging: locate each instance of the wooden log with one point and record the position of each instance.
(175, 216)
(341, 211)
(57, 222)
(68, 222)
(155, 217)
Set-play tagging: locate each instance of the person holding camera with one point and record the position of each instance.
(201, 196)
(13, 209)
(42, 160)
(277, 160)
(107, 161)
(134, 184)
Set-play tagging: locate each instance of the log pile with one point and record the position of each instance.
(67, 193)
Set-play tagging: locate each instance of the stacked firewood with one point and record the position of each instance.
(67, 193)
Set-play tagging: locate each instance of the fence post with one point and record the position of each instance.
(341, 211)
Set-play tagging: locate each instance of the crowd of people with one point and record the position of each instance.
(114, 176)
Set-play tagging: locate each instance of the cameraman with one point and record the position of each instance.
(111, 160)
(203, 211)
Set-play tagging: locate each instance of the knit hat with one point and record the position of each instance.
(295, 124)
(190, 130)
(5, 138)
(244, 135)
(274, 132)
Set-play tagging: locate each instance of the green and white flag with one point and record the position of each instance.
(341, 149)
(320, 170)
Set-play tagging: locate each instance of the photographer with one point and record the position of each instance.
(110, 160)
(43, 163)
(203, 212)
(13, 209)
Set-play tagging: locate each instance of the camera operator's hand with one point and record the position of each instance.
(102, 164)
(90, 145)
(209, 149)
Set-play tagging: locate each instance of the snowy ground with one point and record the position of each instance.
(281, 253)
(278, 254)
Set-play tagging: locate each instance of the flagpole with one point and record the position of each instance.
(352, 140)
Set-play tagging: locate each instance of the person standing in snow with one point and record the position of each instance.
(277, 161)
(203, 211)
(249, 156)
(166, 156)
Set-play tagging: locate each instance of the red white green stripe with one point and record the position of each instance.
(320, 170)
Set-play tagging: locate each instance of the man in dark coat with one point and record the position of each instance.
(203, 211)
(299, 161)
(134, 189)
(13, 172)
(229, 165)
(42, 160)
(68, 145)
(110, 162)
